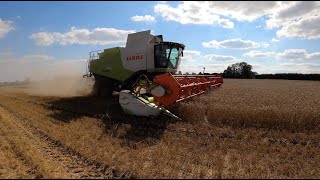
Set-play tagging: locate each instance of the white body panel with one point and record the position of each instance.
(158, 91)
(139, 51)
(136, 105)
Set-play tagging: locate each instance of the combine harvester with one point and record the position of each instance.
(143, 75)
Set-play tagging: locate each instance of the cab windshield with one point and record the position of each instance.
(167, 56)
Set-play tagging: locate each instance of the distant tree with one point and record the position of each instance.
(193, 73)
(179, 72)
(239, 70)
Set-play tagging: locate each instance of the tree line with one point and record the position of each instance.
(244, 70)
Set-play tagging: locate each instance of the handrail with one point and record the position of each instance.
(92, 56)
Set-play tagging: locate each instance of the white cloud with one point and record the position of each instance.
(286, 68)
(294, 18)
(226, 23)
(188, 53)
(265, 45)
(189, 56)
(243, 10)
(298, 54)
(314, 56)
(5, 27)
(194, 61)
(307, 28)
(259, 26)
(143, 18)
(216, 57)
(291, 11)
(98, 36)
(300, 68)
(232, 44)
(43, 38)
(196, 68)
(293, 54)
(298, 19)
(218, 63)
(258, 54)
(275, 40)
(204, 12)
(262, 68)
(191, 13)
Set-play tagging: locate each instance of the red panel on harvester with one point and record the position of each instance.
(180, 87)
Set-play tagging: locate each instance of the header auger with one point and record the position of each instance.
(143, 73)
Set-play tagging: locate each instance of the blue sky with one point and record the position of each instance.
(36, 37)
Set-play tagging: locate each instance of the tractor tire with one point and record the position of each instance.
(103, 86)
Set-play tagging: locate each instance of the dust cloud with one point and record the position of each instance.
(67, 86)
(50, 78)
(62, 79)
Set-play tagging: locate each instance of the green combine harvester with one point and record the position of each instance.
(143, 75)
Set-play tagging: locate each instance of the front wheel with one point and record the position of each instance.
(103, 86)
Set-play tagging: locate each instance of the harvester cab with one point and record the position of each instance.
(143, 74)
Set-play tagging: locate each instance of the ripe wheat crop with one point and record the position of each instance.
(271, 104)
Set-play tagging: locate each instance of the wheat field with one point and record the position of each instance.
(245, 129)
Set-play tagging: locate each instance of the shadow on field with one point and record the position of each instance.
(131, 129)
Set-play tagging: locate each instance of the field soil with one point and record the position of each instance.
(245, 129)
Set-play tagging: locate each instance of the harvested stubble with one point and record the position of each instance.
(245, 129)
